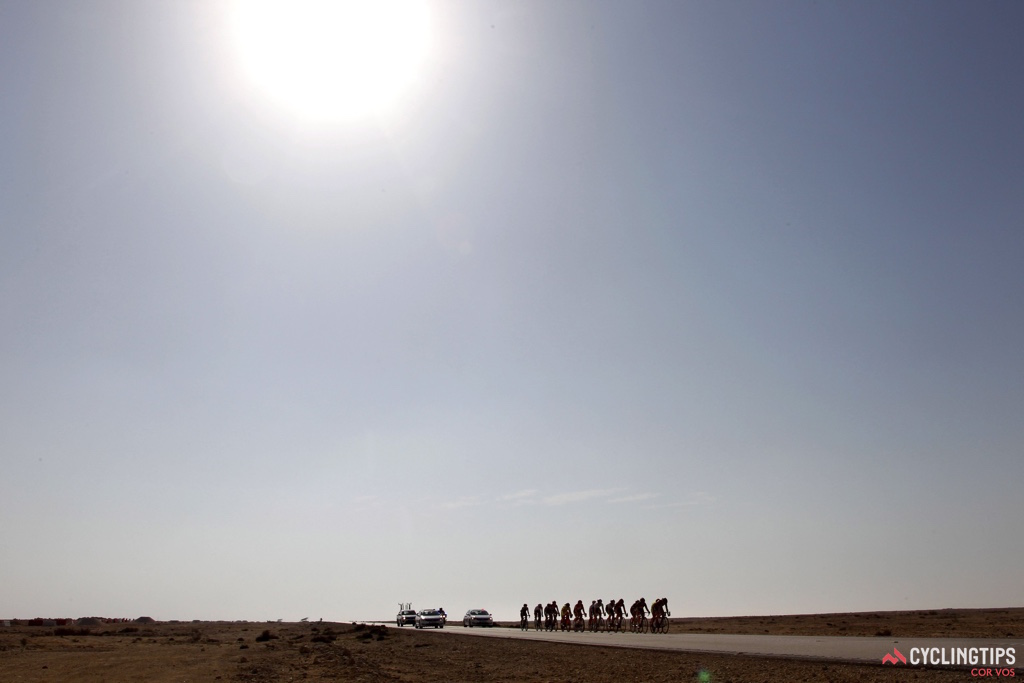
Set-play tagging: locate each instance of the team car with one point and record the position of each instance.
(406, 616)
(478, 617)
(429, 617)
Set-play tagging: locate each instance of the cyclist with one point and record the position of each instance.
(524, 617)
(578, 611)
(636, 613)
(632, 613)
(659, 608)
(592, 614)
(551, 615)
(536, 616)
(566, 615)
(620, 610)
(609, 611)
(641, 611)
(599, 614)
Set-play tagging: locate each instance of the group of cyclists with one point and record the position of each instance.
(599, 617)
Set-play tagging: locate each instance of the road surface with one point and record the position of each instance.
(831, 648)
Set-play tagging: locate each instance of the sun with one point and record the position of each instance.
(331, 60)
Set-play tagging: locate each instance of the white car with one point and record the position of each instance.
(429, 617)
(406, 616)
(478, 617)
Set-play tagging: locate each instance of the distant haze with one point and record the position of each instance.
(717, 301)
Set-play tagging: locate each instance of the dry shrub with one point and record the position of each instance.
(72, 632)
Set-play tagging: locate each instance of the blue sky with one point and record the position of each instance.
(720, 301)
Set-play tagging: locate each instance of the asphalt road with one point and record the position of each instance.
(830, 648)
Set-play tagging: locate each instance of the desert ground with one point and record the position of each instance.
(257, 652)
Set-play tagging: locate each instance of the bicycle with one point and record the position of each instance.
(660, 623)
(613, 623)
(565, 625)
(524, 623)
(578, 624)
(643, 624)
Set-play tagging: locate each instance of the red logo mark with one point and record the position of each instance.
(889, 659)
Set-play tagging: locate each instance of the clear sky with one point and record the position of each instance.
(719, 301)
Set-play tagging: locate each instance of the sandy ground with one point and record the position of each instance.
(242, 651)
(946, 623)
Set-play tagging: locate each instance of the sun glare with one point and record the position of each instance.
(327, 60)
